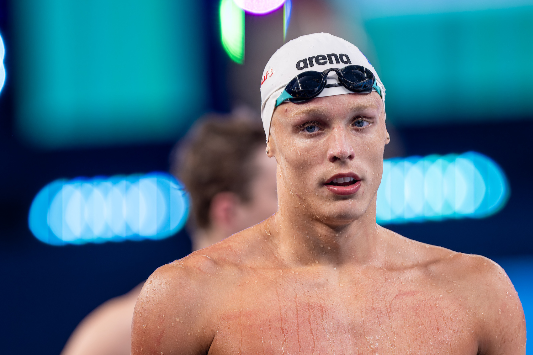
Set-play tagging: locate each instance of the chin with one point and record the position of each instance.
(340, 215)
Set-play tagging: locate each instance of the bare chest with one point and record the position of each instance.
(290, 318)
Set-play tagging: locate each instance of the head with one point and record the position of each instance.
(337, 134)
(231, 181)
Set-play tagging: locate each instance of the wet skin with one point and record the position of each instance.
(320, 277)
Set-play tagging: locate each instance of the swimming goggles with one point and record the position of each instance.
(310, 84)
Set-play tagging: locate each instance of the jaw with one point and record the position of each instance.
(341, 212)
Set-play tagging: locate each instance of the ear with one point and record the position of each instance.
(223, 209)
(387, 137)
(270, 148)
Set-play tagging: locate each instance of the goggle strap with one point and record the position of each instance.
(283, 97)
(377, 88)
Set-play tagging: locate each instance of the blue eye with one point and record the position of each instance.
(360, 123)
(312, 128)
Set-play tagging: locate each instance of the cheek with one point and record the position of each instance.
(369, 158)
(374, 144)
(300, 161)
(375, 166)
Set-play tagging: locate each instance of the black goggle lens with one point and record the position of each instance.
(357, 79)
(306, 85)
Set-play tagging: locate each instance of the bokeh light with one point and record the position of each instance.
(232, 30)
(287, 9)
(259, 7)
(419, 189)
(79, 211)
(2, 69)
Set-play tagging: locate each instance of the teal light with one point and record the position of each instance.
(442, 56)
(232, 30)
(96, 73)
(79, 211)
(418, 189)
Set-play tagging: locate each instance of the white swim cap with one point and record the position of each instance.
(316, 52)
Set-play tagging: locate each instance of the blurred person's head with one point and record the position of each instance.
(231, 181)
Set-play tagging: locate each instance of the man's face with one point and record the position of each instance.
(320, 144)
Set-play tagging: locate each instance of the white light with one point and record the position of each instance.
(259, 7)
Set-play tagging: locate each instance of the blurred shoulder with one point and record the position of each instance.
(106, 330)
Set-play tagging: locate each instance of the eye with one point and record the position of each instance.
(360, 123)
(311, 128)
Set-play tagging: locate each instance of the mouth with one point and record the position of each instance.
(343, 184)
(342, 181)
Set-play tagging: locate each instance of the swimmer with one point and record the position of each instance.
(320, 276)
(232, 185)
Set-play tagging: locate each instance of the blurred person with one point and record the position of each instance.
(231, 185)
(320, 276)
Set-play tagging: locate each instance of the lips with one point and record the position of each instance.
(343, 184)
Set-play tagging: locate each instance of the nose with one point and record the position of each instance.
(340, 147)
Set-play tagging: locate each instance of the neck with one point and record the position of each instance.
(303, 238)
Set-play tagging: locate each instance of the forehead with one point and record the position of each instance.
(333, 106)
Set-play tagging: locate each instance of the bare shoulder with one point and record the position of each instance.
(172, 310)
(177, 307)
(475, 270)
(480, 277)
(240, 252)
(493, 298)
(485, 290)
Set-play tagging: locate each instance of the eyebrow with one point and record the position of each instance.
(320, 110)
